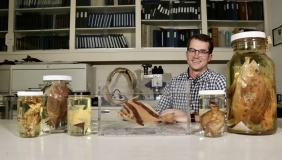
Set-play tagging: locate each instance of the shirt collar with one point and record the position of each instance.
(201, 76)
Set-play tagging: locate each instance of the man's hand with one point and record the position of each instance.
(179, 115)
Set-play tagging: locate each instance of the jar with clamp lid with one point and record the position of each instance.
(251, 88)
(212, 112)
(56, 88)
(79, 113)
(29, 113)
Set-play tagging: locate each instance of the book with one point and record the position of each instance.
(221, 39)
(213, 32)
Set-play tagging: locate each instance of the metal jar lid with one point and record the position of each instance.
(57, 77)
(211, 92)
(251, 34)
(29, 93)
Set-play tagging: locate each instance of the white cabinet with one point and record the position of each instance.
(5, 79)
(31, 76)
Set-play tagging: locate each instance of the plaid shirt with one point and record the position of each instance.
(175, 92)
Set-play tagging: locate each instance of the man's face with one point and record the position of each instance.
(198, 62)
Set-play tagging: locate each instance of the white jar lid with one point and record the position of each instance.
(29, 93)
(211, 92)
(57, 77)
(255, 34)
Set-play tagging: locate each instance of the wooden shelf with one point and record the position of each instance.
(116, 54)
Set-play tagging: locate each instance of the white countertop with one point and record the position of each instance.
(190, 147)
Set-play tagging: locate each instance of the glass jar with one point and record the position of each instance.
(56, 88)
(212, 112)
(29, 113)
(79, 114)
(251, 88)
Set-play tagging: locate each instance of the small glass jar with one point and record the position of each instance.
(29, 113)
(212, 112)
(56, 88)
(79, 114)
(251, 88)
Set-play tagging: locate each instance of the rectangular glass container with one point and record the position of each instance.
(112, 101)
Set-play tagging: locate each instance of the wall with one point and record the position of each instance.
(275, 21)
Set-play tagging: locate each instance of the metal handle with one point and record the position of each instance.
(105, 111)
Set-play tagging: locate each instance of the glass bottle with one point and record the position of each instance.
(79, 114)
(251, 88)
(212, 112)
(56, 88)
(29, 113)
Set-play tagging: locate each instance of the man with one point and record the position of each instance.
(198, 54)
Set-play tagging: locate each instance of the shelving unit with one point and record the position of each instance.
(135, 52)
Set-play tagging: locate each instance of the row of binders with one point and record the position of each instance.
(42, 42)
(176, 10)
(101, 41)
(235, 10)
(43, 3)
(4, 4)
(35, 21)
(153, 36)
(104, 2)
(98, 20)
(4, 23)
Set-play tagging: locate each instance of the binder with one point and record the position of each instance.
(169, 38)
(85, 19)
(175, 38)
(242, 10)
(157, 38)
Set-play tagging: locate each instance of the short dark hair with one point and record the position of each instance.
(204, 38)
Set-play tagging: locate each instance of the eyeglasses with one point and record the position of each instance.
(201, 52)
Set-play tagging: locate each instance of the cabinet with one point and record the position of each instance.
(21, 77)
(135, 50)
(5, 79)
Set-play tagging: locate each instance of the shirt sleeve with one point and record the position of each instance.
(166, 99)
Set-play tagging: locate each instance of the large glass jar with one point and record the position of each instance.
(56, 88)
(251, 89)
(29, 113)
(79, 114)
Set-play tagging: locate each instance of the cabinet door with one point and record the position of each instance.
(226, 18)
(169, 23)
(42, 25)
(4, 81)
(24, 79)
(105, 24)
(4, 4)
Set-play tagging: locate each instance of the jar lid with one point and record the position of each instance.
(57, 77)
(211, 92)
(30, 93)
(80, 93)
(254, 34)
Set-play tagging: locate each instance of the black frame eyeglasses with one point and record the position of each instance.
(200, 52)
